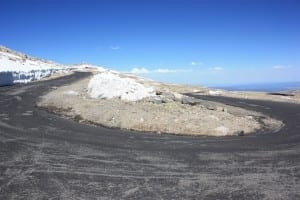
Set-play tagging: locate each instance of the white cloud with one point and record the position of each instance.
(115, 48)
(279, 67)
(216, 68)
(143, 70)
(163, 71)
(195, 63)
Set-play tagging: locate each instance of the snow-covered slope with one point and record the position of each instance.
(16, 67)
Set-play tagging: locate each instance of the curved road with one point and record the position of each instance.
(44, 156)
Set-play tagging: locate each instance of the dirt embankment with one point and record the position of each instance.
(168, 112)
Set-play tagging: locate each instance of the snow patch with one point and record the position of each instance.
(215, 92)
(13, 77)
(107, 85)
(14, 62)
(16, 67)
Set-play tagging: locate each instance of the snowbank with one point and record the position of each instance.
(12, 77)
(12, 61)
(16, 67)
(107, 85)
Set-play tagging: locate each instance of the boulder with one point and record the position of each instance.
(158, 92)
(211, 107)
(155, 100)
(239, 133)
(178, 97)
(167, 97)
(189, 100)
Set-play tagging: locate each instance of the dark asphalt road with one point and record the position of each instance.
(44, 156)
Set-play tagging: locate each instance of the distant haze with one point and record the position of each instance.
(265, 87)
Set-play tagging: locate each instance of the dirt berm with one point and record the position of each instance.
(168, 112)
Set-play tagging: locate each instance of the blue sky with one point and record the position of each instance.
(208, 42)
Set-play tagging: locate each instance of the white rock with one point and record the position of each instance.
(178, 96)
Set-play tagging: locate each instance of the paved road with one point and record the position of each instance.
(44, 156)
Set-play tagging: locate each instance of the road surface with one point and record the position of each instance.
(44, 156)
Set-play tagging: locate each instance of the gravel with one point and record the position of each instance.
(167, 112)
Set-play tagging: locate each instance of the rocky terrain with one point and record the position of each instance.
(119, 100)
(167, 111)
